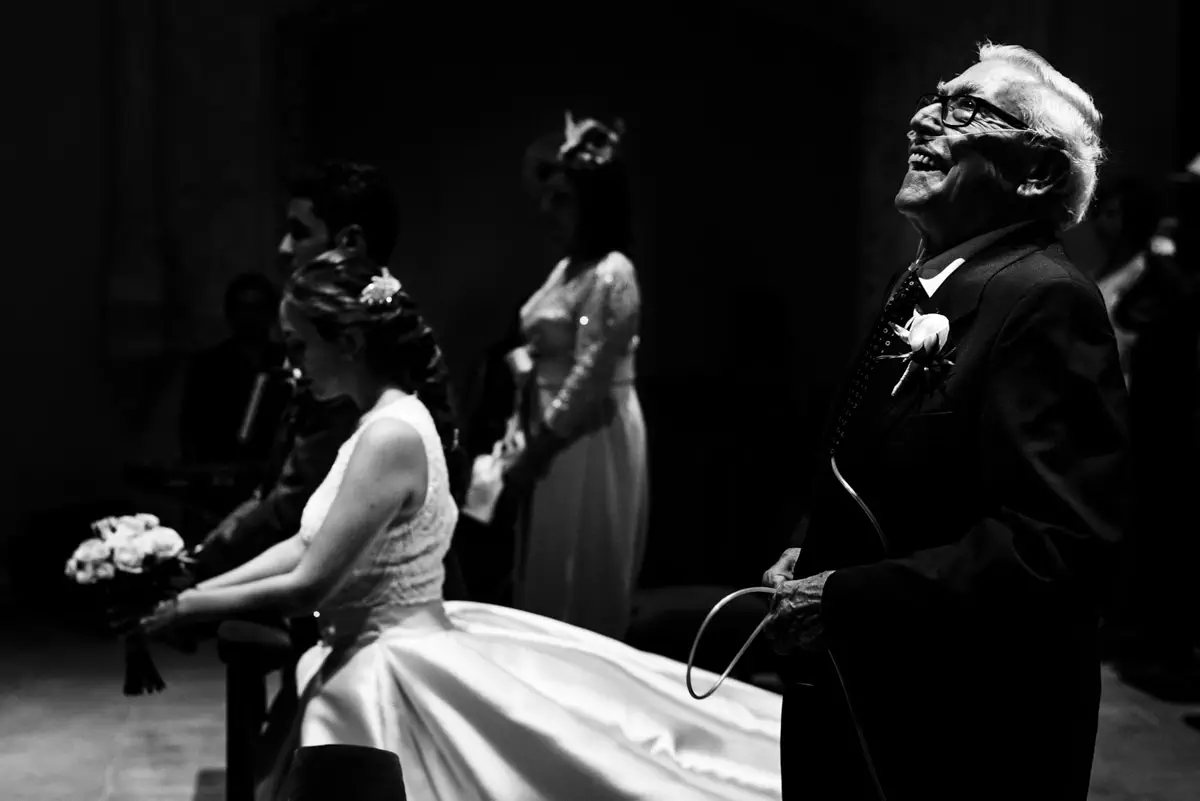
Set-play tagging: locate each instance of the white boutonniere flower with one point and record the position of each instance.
(926, 336)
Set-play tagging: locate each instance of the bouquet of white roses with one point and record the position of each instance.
(135, 559)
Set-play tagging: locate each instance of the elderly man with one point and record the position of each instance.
(941, 616)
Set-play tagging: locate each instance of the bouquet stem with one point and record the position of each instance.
(141, 675)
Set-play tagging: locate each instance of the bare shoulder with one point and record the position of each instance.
(615, 265)
(390, 444)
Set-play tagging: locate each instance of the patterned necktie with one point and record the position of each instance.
(897, 310)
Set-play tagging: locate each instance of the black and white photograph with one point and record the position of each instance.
(601, 401)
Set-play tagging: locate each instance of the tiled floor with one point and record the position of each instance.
(68, 734)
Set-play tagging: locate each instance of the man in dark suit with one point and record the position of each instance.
(323, 202)
(942, 633)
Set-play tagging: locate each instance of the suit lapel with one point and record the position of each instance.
(959, 294)
(957, 299)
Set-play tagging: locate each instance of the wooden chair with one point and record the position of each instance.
(250, 652)
(345, 773)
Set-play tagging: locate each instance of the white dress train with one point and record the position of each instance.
(486, 703)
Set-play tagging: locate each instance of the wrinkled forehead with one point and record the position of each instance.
(999, 82)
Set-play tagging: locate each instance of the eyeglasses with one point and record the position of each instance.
(959, 111)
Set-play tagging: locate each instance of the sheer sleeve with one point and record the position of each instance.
(608, 322)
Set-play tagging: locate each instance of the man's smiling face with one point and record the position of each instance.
(951, 188)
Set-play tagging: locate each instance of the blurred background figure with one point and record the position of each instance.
(584, 529)
(1159, 310)
(235, 393)
(1110, 245)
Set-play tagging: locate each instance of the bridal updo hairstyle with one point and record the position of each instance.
(397, 344)
(585, 164)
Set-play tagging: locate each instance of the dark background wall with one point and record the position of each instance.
(768, 143)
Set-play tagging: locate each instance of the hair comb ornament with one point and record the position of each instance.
(381, 290)
(589, 142)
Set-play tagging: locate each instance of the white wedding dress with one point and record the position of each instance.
(487, 703)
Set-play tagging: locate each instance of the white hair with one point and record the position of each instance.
(1062, 111)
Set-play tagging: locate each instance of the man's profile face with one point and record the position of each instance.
(952, 181)
(306, 238)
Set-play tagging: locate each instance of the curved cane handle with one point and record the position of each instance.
(696, 642)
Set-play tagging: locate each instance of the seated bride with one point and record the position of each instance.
(479, 702)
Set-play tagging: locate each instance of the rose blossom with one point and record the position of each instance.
(83, 573)
(92, 551)
(124, 531)
(127, 555)
(162, 542)
(147, 522)
(928, 335)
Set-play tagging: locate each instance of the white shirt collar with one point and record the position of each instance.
(931, 284)
(956, 256)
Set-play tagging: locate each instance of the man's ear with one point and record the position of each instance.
(1048, 168)
(351, 240)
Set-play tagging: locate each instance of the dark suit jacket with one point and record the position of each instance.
(218, 386)
(969, 647)
(306, 446)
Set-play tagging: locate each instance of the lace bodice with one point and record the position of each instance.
(583, 336)
(402, 566)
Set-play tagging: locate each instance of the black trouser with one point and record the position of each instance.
(995, 723)
(819, 753)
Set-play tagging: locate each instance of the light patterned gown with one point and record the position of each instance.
(486, 703)
(584, 533)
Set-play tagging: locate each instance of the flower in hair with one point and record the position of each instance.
(590, 143)
(381, 290)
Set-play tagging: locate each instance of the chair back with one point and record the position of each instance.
(343, 773)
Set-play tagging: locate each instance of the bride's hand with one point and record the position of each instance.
(167, 614)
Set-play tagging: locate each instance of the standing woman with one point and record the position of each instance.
(584, 529)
